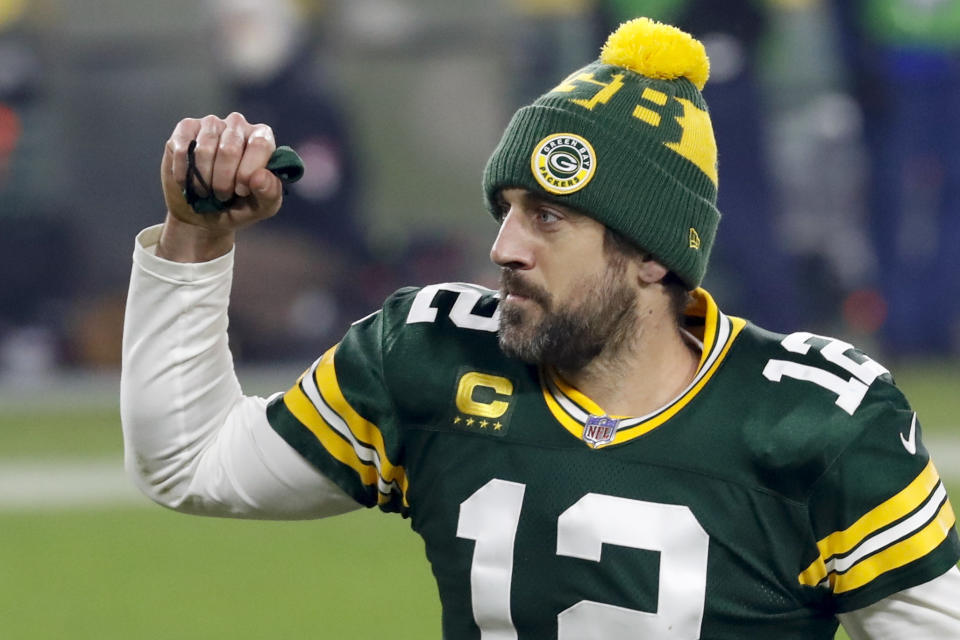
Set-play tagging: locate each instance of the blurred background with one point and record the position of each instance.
(839, 169)
(839, 152)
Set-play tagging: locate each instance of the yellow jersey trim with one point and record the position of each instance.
(571, 408)
(906, 501)
(904, 552)
(891, 535)
(319, 404)
(814, 574)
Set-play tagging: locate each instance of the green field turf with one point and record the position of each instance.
(934, 391)
(144, 572)
(150, 573)
(60, 432)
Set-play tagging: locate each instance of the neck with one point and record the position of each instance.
(640, 374)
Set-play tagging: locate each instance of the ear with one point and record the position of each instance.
(650, 271)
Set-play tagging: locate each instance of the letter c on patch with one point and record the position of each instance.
(470, 382)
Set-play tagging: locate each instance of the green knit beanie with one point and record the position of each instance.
(626, 140)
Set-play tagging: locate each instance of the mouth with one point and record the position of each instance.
(518, 300)
(515, 290)
(515, 297)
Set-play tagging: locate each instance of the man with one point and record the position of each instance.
(594, 452)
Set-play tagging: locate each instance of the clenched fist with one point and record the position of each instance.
(231, 157)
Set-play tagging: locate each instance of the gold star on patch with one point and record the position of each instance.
(497, 426)
(483, 424)
(470, 422)
(457, 420)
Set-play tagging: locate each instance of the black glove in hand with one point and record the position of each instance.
(284, 163)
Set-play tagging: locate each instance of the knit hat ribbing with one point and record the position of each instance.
(626, 140)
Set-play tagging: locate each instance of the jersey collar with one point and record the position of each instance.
(705, 323)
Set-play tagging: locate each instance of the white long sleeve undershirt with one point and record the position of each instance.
(930, 611)
(195, 443)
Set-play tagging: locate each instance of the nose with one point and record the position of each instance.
(512, 248)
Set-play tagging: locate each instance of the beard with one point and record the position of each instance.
(601, 316)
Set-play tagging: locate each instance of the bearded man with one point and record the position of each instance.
(593, 451)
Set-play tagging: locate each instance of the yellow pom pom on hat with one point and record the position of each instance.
(657, 50)
(628, 141)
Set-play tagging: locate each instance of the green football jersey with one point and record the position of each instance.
(786, 484)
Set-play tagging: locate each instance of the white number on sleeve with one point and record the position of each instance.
(491, 516)
(849, 392)
(422, 309)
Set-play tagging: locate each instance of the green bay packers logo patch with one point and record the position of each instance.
(563, 163)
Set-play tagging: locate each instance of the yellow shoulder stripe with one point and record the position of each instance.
(303, 410)
(904, 552)
(907, 500)
(366, 432)
(902, 529)
(814, 574)
(343, 433)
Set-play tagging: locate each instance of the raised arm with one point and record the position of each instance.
(193, 441)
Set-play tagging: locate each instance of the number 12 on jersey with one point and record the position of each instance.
(849, 392)
(490, 518)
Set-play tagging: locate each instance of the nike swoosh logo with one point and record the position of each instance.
(910, 442)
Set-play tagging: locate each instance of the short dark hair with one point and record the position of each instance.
(614, 241)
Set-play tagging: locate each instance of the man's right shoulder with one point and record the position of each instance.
(425, 333)
(449, 312)
(398, 369)
(407, 365)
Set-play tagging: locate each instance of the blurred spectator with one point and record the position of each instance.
(19, 85)
(905, 58)
(35, 249)
(297, 287)
(818, 162)
(274, 73)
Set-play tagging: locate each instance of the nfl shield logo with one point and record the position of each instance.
(599, 430)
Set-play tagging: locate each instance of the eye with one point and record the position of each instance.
(547, 216)
(502, 208)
